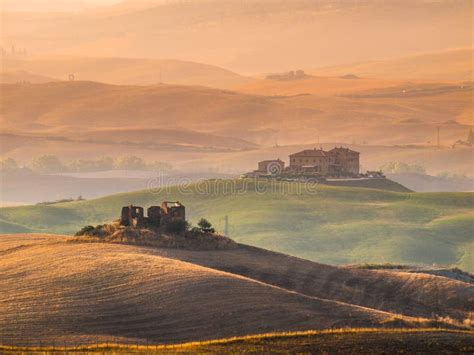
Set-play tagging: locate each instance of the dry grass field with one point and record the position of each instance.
(58, 292)
(347, 341)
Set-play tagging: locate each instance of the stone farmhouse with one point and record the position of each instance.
(336, 161)
(156, 215)
(339, 162)
(271, 165)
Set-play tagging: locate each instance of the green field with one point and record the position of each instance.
(335, 225)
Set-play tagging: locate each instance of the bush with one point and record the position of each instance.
(87, 230)
(91, 231)
(196, 230)
(206, 226)
(177, 227)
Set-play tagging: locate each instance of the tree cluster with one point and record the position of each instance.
(51, 164)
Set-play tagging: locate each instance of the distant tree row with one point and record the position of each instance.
(401, 168)
(51, 164)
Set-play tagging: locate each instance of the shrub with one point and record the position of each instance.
(87, 230)
(196, 230)
(206, 226)
(91, 231)
(177, 227)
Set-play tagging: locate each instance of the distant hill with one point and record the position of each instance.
(337, 225)
(87, 106)
(34, 188)
(255, 36)
(315, 85)
(80, 293)
(380, 184)
(128, 71)
(21, 76)
(455, 64)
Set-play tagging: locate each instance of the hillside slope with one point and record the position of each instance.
(81, 107)
(422, 294)
(83, 293)
(454, 64)
(64, 292)
(128, 71)
(21, 76)
(335, 225)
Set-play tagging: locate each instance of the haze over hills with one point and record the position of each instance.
(128, 71)
(58, 107)
(111, 103)
(21, 76)
(451, 64)
(234, 34)
(89, 296)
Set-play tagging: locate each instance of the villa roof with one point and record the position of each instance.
(342, 150)
(271, 160)
(309, 153)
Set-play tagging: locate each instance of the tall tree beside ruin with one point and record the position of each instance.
(470, 137)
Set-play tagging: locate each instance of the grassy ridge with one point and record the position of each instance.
(325, 224)
(368, 340)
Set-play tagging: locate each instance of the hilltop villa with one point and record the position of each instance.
(339, 161)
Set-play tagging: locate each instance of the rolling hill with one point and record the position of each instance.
(57, 291)
(249, 36)
(316, 85)
(71, 107)
(128, 71)
(21, 76)
(453, 64)
(336, 225)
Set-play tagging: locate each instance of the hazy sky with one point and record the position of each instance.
(51, 5)
(247, 36)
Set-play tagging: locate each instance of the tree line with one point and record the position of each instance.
(51, 164)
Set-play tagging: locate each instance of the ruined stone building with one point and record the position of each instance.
(156, 215)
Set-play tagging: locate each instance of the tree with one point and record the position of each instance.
(400, 168)
(177, 227)
(47, 164)
(160, 166)
(8, 164)
(470, 137)
(206, 226)
(130, 163)
(101, 164)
